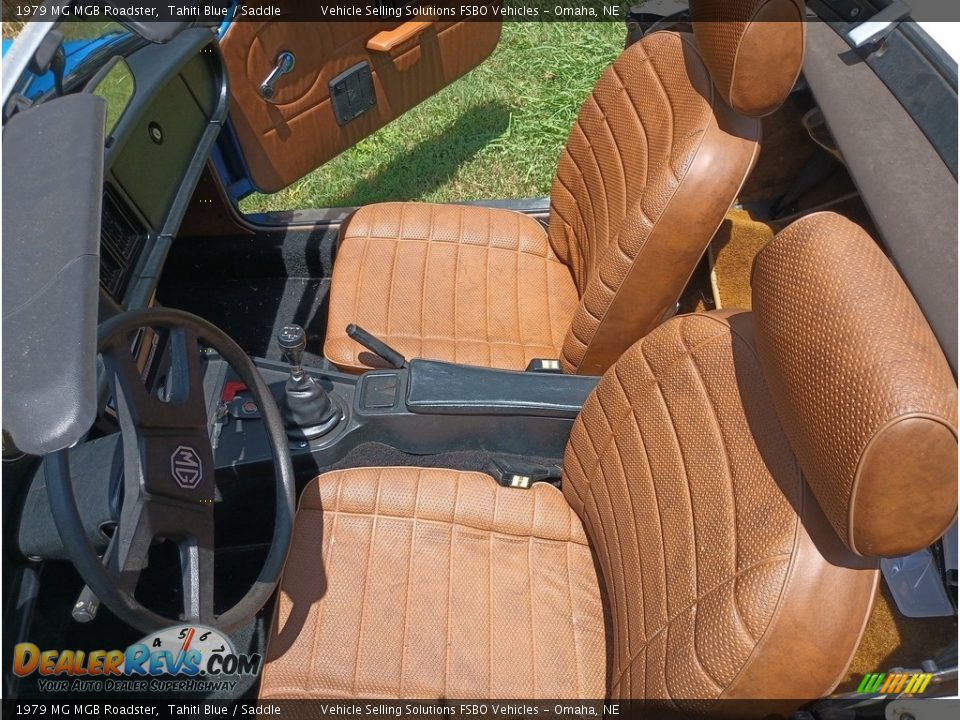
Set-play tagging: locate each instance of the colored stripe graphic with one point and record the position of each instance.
(894, 683)
(927, 677)
(871, 683)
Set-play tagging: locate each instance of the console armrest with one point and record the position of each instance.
(441, 388)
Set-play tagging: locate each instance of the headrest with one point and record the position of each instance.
(860, 384)
(752, 48)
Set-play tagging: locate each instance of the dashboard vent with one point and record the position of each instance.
(121, 237)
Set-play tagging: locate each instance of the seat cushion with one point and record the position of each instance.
(460, 283)
(428, 583)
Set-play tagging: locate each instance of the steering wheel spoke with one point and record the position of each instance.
(122, 372)
(179, 403)
(129, 553)
(196, 565)
(169, 473)
(166, 446)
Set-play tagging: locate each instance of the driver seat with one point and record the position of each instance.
(727, 489)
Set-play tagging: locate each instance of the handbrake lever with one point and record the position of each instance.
(376, 346)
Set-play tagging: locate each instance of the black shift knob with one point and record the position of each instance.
(292, 340)
(306, 407)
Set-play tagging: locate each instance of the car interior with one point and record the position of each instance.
(665, 436)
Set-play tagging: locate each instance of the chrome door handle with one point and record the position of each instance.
(285, 63)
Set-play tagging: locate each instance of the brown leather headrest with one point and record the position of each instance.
(752, 48)
(860, 385)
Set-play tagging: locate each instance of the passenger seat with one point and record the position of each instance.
(657, 156)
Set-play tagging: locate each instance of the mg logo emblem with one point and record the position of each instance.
(185, 467)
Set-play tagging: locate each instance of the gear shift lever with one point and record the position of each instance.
(307, 410)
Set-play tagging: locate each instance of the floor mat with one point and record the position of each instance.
(250, 286)
(741, 236)
(732, 251)
(252, 310)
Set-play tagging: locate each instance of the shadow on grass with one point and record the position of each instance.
(435, 160)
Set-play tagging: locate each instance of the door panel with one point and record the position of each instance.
(285, 139)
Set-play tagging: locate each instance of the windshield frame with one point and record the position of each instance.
(17, 78)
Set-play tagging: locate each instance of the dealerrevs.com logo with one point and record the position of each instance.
(188, 657)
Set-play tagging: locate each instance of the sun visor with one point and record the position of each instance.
(52, 193)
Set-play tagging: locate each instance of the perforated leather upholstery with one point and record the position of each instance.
(688, 473)
(652, 163)
(863, 389)
(715, 558)
(466, 284)
(754, 49)
(426, 583)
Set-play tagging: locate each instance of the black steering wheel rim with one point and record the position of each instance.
(104, 584)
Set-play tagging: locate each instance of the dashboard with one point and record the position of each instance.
(154, 156)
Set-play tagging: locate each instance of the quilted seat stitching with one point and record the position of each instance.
(615, 151)
(771, 559)
(597, 274)
(393, 268)
(319, 621)
(333, 496)
(446, 654)
(406, 239)
(733, 494)
(586, 470)
(456, 288)
(343, 350)
(591, 229)
(531, 614)
(623, 473)
(517, 325)
(363, 591)
(451, 523)
(406, 597)
(602, 189)
(654, 381)
(470, 341)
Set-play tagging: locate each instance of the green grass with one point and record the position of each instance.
(495, 133)
(117, 87)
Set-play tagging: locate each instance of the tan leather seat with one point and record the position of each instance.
(734, 475)
(467, 284)
(655, 159)
(424, 583)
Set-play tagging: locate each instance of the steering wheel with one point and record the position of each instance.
(168, 476)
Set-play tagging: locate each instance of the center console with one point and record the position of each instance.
(424, 408)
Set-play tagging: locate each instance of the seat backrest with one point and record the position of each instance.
(700, 465)
(654, 161)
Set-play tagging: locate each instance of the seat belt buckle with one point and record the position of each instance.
(544, 365)
(517, 474)
(516, 481)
